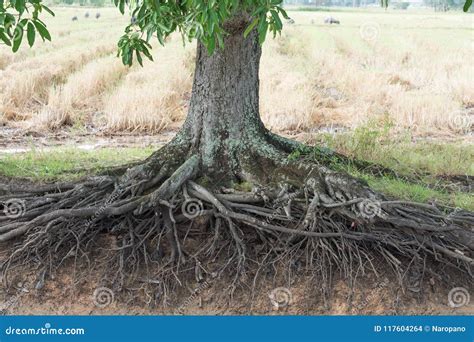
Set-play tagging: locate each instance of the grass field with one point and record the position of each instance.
(409, 67)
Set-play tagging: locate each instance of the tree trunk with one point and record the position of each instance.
(223, 117)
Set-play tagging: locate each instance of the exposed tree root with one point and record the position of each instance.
(165, 221)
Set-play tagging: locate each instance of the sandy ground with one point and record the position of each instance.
(17, 140)
(376, 297)
(82, 289)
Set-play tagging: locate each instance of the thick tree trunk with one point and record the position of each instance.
(223, 117)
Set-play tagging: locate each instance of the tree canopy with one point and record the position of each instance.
(194, 19)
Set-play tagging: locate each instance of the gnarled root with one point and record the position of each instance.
(163, 223)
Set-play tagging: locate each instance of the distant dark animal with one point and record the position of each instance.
(331, 20)
(74, 18)
(133, 20)
(86, 15)
(97, 15)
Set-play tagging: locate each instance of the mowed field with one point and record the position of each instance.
(409, 69)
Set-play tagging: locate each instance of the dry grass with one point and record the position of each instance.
(27, 78)
(414, 72)
(81, 96)
(285, 71)
(152, 98)
(26, 86)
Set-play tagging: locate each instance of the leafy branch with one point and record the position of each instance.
(18, 17)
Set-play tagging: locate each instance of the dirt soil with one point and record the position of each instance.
(371, 297)
(76, 289)
(16, 139)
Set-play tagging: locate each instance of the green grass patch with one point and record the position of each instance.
(377, 143)
(421, 161)
(435, 158)
(403, 190)
(67, 163)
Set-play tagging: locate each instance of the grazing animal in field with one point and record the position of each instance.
(97, 16)
(331, 20)
(86, 15)
(74, 18)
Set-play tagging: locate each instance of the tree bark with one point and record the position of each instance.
(223, 117)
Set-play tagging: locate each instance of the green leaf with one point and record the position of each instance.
(42, 30)
(139, 58)
(17, 37)
(250, 27)
(211, 45)
(276, 18)
(122, 6)
(31, 33)
(48, 10)
(20, 6)
(467, 5)
(4, 38)
(262, 31)
(283, 13)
